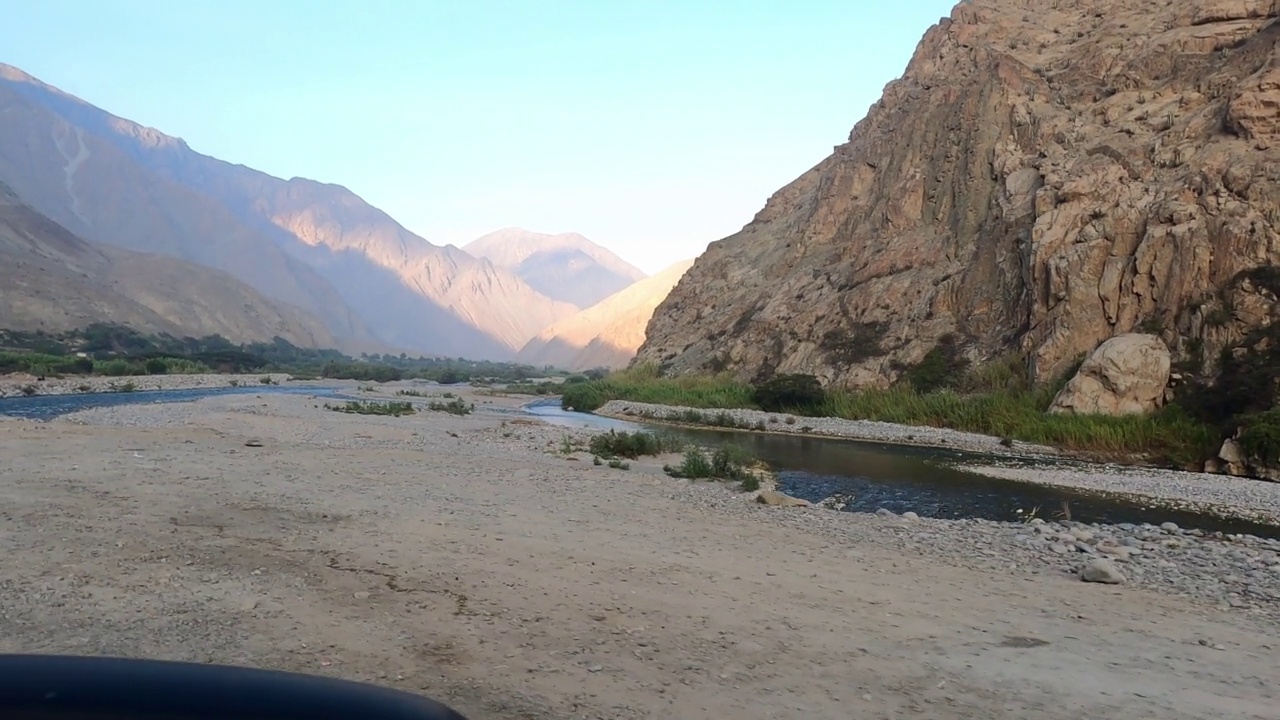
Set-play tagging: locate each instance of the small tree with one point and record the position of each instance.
(798, 393)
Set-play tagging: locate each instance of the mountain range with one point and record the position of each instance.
(338, 268)
(53, 281)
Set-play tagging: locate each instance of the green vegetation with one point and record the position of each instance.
(117, 351)
(358, 407)
(633, 445)
(995, 398)
(454, 407)
(618, 464)
(1260, 436)
(643, 384)
(727, 462)
(789, 393)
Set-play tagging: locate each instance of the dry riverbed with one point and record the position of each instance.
(468, 559)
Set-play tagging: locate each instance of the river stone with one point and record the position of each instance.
(908, 515)
(780, 499)
(1126, 375)
(885, 512)
(1169, 527)
(1101, 571)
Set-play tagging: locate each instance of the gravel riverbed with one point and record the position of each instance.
(429, 550)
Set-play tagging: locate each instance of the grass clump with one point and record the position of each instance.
(632, 445)
(644, 384)
(619, 464)
(362, 407)
(454, 407)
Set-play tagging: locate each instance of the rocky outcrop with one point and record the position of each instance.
(607, 334)
(1126, 375)
(1042, 178)
(566, 267)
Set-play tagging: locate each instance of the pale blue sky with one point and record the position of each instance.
(651, 126)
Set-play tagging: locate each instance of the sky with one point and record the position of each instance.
(653, 127)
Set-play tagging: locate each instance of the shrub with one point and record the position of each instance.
(617, 464)
(454, 407)
(266, 380)
(29, 390)
(1260, 436)
(695, 465)
(358, 407)
(632, 445)
(941, 367)
(156, 366)
(795, 393)
(113, 368)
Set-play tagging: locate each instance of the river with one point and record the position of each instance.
(927, 481)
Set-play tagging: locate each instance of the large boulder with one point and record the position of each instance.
(1126, 375)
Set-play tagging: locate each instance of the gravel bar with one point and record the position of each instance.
(1224, 495)
(865, 430)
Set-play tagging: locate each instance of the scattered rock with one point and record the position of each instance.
(253, 443)
(1231, 452)
(908, 515)
(780, 499)
(885, 512)
(1101, 571)
(1169, 527)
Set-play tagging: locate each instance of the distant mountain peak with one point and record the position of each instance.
(564, 266)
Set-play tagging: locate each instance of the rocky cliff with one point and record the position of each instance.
(313, 245)
(566, 267)
(606, 334)
(52, 280)
(1044, 176)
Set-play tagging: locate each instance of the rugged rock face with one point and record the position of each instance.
(1045, 176)
(566, 267)
(317, 246)
(1126, 375)
(54, 281)
(606, 334)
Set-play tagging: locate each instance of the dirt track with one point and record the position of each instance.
(510, 582)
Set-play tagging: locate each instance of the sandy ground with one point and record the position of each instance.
(465, 559)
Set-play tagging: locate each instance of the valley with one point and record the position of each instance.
(977, 417)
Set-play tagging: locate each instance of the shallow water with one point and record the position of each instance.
(902, 478)
(47, 407)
